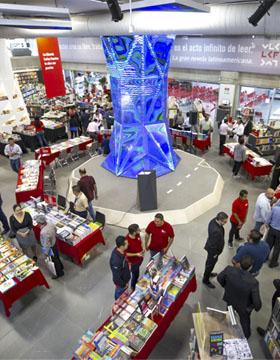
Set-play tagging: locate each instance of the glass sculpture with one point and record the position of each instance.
(140, 141)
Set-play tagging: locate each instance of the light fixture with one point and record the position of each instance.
(34, 17)
(115, 10)
(261, 11)
(167, 5)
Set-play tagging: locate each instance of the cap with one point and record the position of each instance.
(41, 219)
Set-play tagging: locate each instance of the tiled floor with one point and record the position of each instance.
(46, 324)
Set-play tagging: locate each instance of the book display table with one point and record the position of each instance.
(18, 275)
(75, 235)
(141, 318)
(254, 165)
(27, 188)
(21, 288)
(55, 150)
(200, 141)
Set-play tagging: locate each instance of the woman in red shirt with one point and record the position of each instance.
(40, 135)
(134, 252)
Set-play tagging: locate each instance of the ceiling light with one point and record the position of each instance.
(261, 11)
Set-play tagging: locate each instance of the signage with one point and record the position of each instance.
(51, 66)
(259, 55)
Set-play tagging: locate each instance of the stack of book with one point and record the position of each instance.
(136, 315)
(13, 265)
(272, 336)
(68, 144)
(28, 176)
(70, 228)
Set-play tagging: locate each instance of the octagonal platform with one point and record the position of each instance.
(194, 188)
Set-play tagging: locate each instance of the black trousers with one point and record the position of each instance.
(245, 321)
(234, 231)
(223, 139)
(57, 262)
(273, 240)
(4, 220)
(135, 269)
(211, 261)
(236, 167)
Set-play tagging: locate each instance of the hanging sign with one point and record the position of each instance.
(51, 66)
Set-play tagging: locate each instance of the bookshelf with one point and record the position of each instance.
(272, 336)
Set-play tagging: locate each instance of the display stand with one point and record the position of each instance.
(254, 165)
(272, 335)
(147, 190)
(207, 323)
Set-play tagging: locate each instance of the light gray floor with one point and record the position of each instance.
(47, 324)
(183, 190)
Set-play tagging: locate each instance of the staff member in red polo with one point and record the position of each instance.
(238, 216)
(159, 236)
(134, 252)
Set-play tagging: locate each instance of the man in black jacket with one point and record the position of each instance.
(214, 246)
(119, 266)
(241, 291)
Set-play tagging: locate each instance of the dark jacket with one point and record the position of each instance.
(248, 128)
(120, 269)
(216, 238)
(276, 283)
(74, 121)
(241, 289)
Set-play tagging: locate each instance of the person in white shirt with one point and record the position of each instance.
(93, 129)
(14, 152)
(263, 208)
(224, 129)
(238, 130)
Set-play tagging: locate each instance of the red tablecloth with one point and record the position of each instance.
(198, 143)
(163, 322)
(251, 169)
(24, 196)
(48, 158)
(21, 288)
(77, 252)
(101, 137)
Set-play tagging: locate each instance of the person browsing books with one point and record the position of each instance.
(88, 186)
(48, 243)
(119, 266)
(159, 236)
(80, 206)
(134, 252)
(241, 291)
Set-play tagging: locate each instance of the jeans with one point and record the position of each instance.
(91, 209)
(223, 139)
(82, 214)
(119, 291)
(234, 231)
(15, 164)
(154, 252)
(41, 139)
(209, 266)
(74, 132)
(258, 225)
(4, 220)
(236, 167)
(135, 270)
(273, 240)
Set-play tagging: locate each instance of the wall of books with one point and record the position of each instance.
(272, 337)
(12, 107)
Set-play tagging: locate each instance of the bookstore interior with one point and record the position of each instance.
(139, 153)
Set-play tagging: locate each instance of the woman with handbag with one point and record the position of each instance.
(22, 226)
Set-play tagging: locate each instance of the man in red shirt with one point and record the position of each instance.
(159, 236)
(87, 185)
(238, 216)
(134, 252)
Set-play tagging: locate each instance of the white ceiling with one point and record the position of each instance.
(87, 6)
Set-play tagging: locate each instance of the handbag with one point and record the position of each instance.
(50, 265)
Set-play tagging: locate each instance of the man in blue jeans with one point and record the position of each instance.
(119, 266)
(3, 219)
(14, 152)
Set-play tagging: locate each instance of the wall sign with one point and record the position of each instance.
(257, 55)
(50, 60)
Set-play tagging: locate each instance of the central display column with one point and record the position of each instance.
(138, 67)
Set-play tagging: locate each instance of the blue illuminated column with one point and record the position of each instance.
(138, 67)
